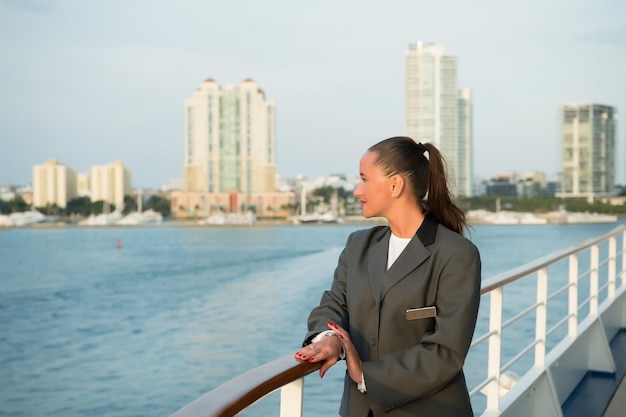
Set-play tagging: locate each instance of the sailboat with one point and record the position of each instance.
(316, 218)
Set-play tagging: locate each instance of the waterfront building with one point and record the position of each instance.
(15, 192)
(465, 166)
(189, 204)
(7, 193)
(110, 183)
(26, 193)
(512, 184)
(503, 185)
(588, 150)
(536, 184)
(436, 111)
(83, 184)
(53, 184)
(229, 140)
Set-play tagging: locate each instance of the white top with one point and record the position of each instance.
(396, 246)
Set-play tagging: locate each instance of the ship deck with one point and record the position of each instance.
(618, 402)
(597, 389)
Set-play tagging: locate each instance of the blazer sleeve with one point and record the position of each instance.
(422, 370)
(333, 304)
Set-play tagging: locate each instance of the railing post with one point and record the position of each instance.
(623, 269)
(291, 399)
(593, 280)
(572, 297)
(495, 345)
(612, 267)
(541, 318)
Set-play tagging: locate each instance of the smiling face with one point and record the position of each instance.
(375, 188)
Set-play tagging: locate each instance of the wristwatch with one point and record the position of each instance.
(325, 333)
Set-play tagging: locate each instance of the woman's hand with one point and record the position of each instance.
(328, 350)
(353, 361)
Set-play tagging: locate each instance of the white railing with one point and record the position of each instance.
(551, 361)
(567, 329)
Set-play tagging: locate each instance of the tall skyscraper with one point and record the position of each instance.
(53, 183)
(230, 140)
(465, 164)
(110, 183)
(588, 149)
(432, 103)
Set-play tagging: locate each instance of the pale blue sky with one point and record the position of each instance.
(90, 82)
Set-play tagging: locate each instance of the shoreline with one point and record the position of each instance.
(502, 218)
(347, 221)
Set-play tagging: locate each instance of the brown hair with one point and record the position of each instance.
(425, 176)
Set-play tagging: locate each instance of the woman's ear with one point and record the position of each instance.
(397, 185)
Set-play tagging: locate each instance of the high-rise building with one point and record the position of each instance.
(230, 140)
(110, 183)
(83, 186)
(588, 150)
(465, 165)
(432, 104)
(53, 183)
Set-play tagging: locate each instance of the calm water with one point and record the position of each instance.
(89, 329)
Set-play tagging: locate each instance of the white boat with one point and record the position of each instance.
(504, 217)
(5, 221)
(104, 219)
(566, 217)
(23, 218)
(229, 218)
(554, 217)
(317, 218)
(141, 218)
(529, 218)
(577, 218)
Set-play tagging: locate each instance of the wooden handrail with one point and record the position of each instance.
(242, 391)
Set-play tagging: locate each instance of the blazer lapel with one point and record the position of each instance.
(413, 255)
(377, 263)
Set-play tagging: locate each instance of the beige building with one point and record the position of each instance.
(82, 184)
(229, 140)
(53, 183)
(189, 204)
(588, 150)
(110, 183)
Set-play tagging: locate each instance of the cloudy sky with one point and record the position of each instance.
(91, 82)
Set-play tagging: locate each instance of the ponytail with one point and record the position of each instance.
(426, 177)
(440, 201)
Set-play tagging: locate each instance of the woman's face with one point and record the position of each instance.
(374, 190)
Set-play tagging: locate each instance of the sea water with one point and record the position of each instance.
(140, 321)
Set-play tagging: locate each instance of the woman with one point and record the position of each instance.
(404, 297)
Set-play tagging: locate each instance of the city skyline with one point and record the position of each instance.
(87, 84)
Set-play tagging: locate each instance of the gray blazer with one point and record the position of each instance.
(412, 366)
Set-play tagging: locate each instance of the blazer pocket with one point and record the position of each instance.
(421, 313)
